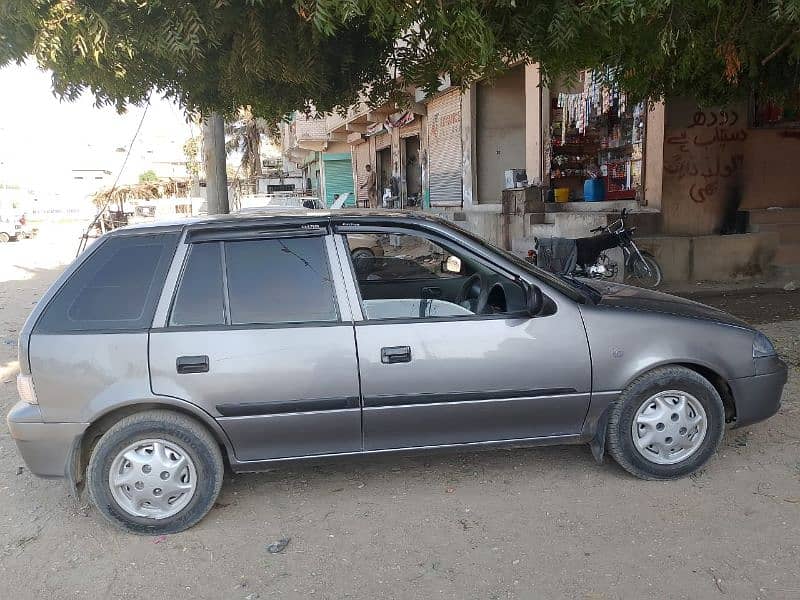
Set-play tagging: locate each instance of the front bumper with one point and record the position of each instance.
(45, 447)
(759, 397)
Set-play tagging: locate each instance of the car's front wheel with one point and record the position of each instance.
(155, 472)
(666, 424)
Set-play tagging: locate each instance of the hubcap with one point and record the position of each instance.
(152, 478)
(669, 427)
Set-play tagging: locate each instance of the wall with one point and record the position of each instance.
(704, 158)
(712, 257)
(500, 135)
(771, 168)
(488, 224)
(534, 97)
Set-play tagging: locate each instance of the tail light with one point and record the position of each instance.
(22, 220)
(25, 389)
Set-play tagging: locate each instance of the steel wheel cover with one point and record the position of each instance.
(152, 478)
(669, 427)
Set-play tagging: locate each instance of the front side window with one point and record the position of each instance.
(280, 280)
(404, 275)
(116, 287)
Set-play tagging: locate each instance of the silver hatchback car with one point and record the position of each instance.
(167, 350)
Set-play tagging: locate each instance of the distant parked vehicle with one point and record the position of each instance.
(167, 351)
(260, 202)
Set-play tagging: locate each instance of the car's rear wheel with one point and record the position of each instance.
(666, 424)
(155, 472)
(4, 237)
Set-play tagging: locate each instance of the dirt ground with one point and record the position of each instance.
(531, 523)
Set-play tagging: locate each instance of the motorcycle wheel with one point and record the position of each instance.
(646, 275)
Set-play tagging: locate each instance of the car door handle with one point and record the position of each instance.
(395, 354)
(192, 364)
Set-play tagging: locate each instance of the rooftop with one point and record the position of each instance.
(284, 216)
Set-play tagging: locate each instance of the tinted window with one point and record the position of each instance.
(279, 281)
(116, 287)
(199, 299)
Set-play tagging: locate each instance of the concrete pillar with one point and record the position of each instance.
(214, 158)
(535, 105)
(654, 156)
(469, 173)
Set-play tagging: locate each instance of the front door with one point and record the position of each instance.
(255, 338)
(447, 354)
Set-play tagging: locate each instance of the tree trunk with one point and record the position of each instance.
(214, 158)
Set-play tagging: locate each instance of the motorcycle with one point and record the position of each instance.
(588, 257)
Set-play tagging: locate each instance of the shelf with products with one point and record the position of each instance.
(621, 178)
(595, 132)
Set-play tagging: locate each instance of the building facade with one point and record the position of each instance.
(578, 151)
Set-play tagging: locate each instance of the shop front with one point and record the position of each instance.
(394, 149)
(596, 141)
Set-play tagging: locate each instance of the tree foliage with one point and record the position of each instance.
(278, 56)
(244, 135)
(205, 54)
(148, 176)
(712, 50)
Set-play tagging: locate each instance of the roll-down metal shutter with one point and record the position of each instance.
(338, 177)
(444, 149)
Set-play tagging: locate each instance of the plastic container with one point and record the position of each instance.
(562, 194)
(594, 190)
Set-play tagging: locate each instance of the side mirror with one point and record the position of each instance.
(452, 265)
(535, 300)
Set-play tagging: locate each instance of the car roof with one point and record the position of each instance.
(285, 217)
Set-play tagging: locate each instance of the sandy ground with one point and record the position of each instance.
(536, 523)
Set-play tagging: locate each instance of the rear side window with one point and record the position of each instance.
(279, 281)
(116, 288)
(199, 300)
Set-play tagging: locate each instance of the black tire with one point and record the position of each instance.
(619, 440)
(649, 277)
(362, 253)
(190, 435)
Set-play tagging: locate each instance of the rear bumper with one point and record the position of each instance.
(759, 397)
(45, 447)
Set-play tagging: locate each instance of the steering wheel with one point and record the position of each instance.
(474, 293)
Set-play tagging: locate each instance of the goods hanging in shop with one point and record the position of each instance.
(596, 134)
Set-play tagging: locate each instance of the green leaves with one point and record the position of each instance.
(278, 56)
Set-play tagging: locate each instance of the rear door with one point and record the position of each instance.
(257, 337)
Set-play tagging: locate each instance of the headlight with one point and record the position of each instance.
(762, 346)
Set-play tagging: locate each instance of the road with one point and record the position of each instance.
(524, 523)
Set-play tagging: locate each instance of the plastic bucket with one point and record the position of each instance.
(562, 194)
(594, 190)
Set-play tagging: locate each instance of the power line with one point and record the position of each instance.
(85, 236)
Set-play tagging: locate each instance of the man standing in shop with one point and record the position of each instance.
(372, 187)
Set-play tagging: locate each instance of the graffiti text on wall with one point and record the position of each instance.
(700, 152)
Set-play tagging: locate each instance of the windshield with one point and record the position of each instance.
(569, 286)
